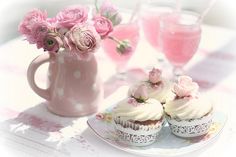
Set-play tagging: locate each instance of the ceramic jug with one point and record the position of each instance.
(74, 85)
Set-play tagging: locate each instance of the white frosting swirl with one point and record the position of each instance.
(151, 109)
(161, 93)
(188, 108)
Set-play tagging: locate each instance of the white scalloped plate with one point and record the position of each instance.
(167, 144)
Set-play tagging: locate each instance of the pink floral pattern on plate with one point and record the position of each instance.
(104, 117)
(167, 145)
(215, 127)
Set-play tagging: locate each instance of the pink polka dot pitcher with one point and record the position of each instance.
(74, 85)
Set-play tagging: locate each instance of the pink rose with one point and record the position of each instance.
(62, 31)
(103, 26)
(52, 22)
(82, 39)
(140, 94)
(185, 87)
(38, 32)
(71, 16)
(52, 42)
(155, 76)
(109, 11)
(32, 17)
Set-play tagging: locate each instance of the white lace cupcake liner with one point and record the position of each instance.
(190, 128)
(136, 134)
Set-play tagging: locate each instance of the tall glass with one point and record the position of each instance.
(180, 34)
(150, 15)
(128, 32)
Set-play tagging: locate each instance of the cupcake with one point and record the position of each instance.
(158, 87)
(138, 119)
(189, 114)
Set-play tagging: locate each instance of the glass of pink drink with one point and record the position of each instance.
(151, 25)
(150, 15)
(180, 34)
(129, 32)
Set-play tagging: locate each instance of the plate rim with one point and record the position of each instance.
(132, 151)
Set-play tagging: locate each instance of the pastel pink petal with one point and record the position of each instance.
(184, 80)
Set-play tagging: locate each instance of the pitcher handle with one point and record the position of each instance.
(34, 65)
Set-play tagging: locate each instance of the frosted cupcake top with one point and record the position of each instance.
(157, 87)
(138, 107)
(187, 104)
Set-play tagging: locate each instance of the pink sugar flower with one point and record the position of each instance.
(185, 87)
(155, 76)
(100, 116)
(82, 39)
(71, 16)
(140, 94)
(103, 26)
(133, 102)
(32, 17)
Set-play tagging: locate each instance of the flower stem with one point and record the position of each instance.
(96, 5)
(114, 39)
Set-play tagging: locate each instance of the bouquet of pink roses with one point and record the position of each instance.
(71, 29)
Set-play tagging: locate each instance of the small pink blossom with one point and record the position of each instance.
(158, 86)
(155, 76)
(71, 16)
(100, 116)
(133, 102)
(32, 17)
(52, 42)
(141, 93)
(82, 39)
(103, 26)
(38, 32)
(109, 11)
(185, 87)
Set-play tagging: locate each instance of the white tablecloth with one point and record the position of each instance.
(28, 129)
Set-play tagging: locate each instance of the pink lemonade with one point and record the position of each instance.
(180, 39)
(128, 32)
(151, 28)
(151, 24)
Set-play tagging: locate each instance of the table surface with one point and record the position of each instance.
(28, 129)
